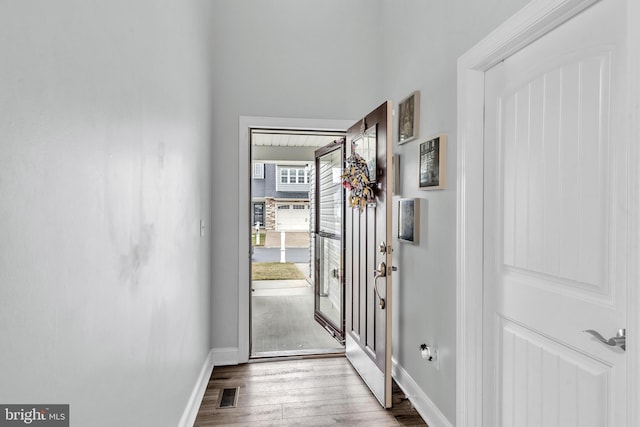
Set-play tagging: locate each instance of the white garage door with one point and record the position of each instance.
(292, 217)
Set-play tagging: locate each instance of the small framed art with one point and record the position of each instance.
(395, 162)
(408, 215)
(433, 163)
(408, 117)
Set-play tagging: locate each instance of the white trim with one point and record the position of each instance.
(193, 404)
(533, 21)
(244, 207)
(633, 299)
(225, 356)
(420, 401)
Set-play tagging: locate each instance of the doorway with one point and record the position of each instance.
(282, 251)
(368, 340)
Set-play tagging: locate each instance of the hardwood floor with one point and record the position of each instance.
(309, 392)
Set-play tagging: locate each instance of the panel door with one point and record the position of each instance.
(368, 257)
(556, 226)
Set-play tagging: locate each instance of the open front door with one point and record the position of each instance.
(368, 254)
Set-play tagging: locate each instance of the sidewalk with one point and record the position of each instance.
(293, 239)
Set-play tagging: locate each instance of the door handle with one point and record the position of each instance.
(619, 340)
(380, 272)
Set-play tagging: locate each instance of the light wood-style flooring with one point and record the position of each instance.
(308, 392)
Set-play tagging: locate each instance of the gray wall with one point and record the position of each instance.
(105, 121)
(340, 60)
(423, 44)
(279, 58)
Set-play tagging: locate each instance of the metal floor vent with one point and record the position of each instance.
(229, 398)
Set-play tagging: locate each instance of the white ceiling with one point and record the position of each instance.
(292, 138)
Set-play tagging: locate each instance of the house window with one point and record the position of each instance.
(294, 175)
(258, 214)
(258, 170)
(284, 176)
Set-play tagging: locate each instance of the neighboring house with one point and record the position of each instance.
(280, 196)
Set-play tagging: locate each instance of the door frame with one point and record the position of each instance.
(245, 124)
(533, 21)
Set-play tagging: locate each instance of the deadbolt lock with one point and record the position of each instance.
(382, 248)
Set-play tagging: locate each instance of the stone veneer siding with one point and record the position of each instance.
(270, 213)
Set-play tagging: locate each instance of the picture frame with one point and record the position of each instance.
(433, 163)
(408, 117)
(408, 220)
(395, 165)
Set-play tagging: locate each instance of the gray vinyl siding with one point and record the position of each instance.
(267, 187)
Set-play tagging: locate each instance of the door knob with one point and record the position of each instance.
(619, 340)
(380, 272)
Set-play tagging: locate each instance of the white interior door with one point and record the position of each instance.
(556, 227)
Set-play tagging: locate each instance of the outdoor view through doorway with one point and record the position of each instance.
(282, 267)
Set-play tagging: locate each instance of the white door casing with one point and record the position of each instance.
(240, 354)
(555, 227)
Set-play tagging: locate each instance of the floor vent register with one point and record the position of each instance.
(229, 398)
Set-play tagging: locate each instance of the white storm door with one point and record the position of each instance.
(556, 227)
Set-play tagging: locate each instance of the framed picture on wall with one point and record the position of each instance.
(396, 174)
(408, 215)
(433, 163)
(408, 117)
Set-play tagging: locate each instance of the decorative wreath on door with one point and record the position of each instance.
(355, 178)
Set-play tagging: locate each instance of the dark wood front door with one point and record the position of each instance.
(368, 251)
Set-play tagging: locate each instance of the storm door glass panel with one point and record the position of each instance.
(330, 194)
(329, 289)
(329, 296)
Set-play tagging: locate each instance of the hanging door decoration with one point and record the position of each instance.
(359, 175)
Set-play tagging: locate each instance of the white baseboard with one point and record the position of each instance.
(425, 407)
(193, 404)
(225, 356)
